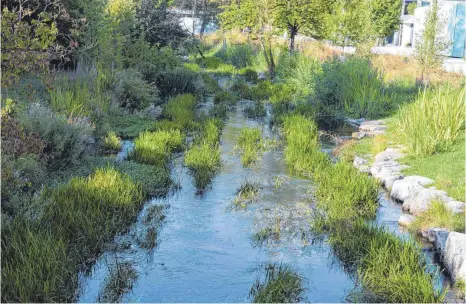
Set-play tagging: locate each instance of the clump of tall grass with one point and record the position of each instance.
(281, 285)
(35, 264)
(219, 111)
(203, 161)
(225, 97)
(211, 132)
(344, 193)
(250, 144)
(438, 215)
(257, 110)
(180, 81)
(87, 212)
(112, 142)
(240, 56)
(433, 122)
(180, 110)
(249, 74)
(241, 89)
(390, 268)
(155, 147)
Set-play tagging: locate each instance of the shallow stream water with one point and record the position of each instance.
(204, 250)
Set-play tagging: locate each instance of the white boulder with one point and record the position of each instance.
(455, 255)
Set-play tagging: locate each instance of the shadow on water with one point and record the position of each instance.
(205, 251)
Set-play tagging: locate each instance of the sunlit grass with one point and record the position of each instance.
(203, 161)
(438, 215)
(112, 142)
(250, 144)
(156, 147)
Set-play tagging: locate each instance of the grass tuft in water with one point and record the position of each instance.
(245, 194)
(203, 161)
(281, 285)
(180, 110)
(255, 111)
(250, 143)
(112, 143)
(155, 148)
(119, 281)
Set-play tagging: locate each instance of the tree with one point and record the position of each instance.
(308, 16)
(385, 16)
(431, 44)
(256, 16)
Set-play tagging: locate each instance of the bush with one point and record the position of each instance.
(67, 140)
(112, 142)
(132, 92)
(281, 285)
(127, 125)
(180, 81)
(211, 85)
(154, 148)
(262, 91)
(433, 122)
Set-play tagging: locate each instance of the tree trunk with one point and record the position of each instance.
(194, 16)
(293, 31)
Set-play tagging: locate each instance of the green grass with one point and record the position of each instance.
(434, 122)
(112, 142)
(255, 111)
(446, 169)
(155, 148)
(225, 97)
(211, 132)
(219, 111)
(87, 212)
(438, 215)
(245, 194)
(35, 264)
(180, 110)
(129, 125)
(280, 285)
(203, 161)
(390, 268)
(250, 144)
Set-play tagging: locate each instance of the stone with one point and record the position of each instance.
(261, 76)
(387, 172)
(420, 202)
(358, 135)
(354, 122)
(389, 154)
(408, 186)
(438, 237)
(406, 220)
(372, 125)
(455, 255)
(455, 206)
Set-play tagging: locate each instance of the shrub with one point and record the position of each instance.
(211, 85)
(67, 140)
(433, 122)
(438, 215)
(281, 285)
(180, 81)
(132, 92)
(203, 162)
(255, 111)
(88, 212)
(154, 148)
(112, 142)
(127, 125)
(35, 264)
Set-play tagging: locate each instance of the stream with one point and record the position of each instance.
(205, 251)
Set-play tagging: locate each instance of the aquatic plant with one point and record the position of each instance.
(392, 269)
(119, 281)
(257, 110)
(203, 161)
(433, 122)
(156, 147)
(281, 285)
(245, 194)
(112, 142)
(250, 144)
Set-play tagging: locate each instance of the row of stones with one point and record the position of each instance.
(416, 196)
